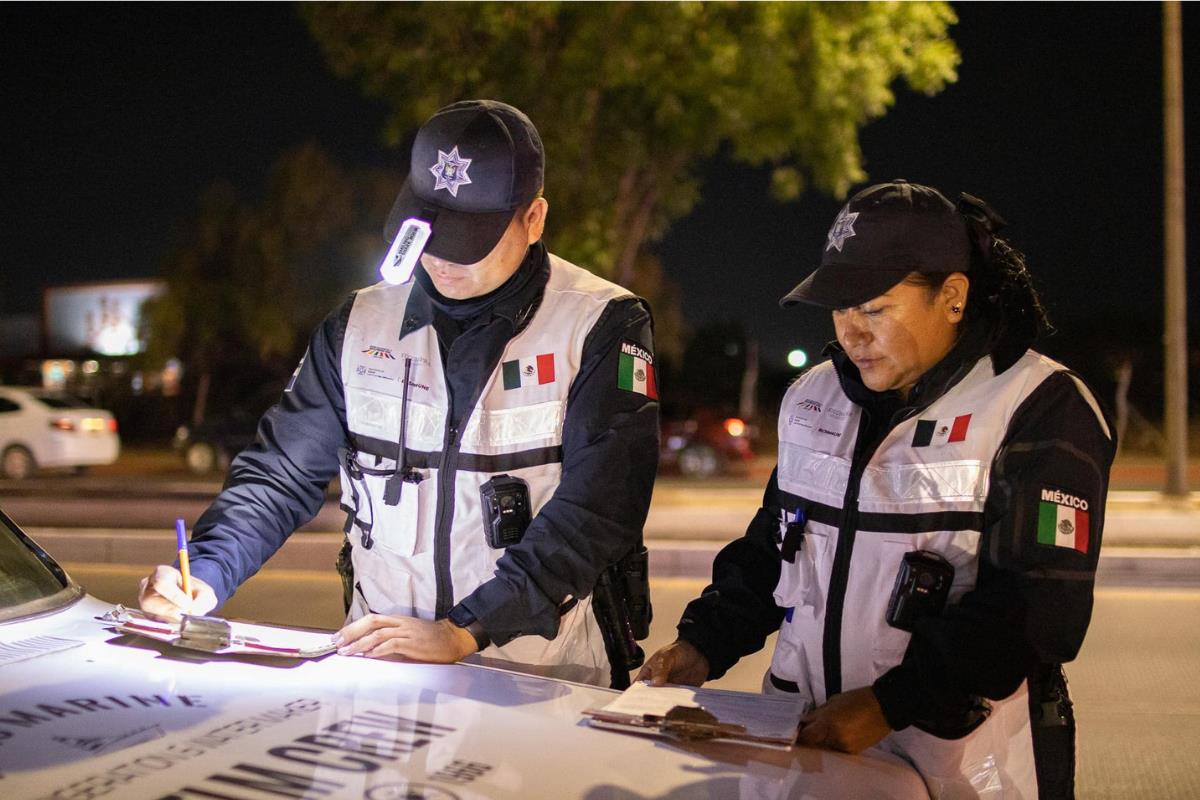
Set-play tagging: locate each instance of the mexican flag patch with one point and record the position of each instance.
(531, 371)
(1063, 520)
(635, 372)
(940, 431)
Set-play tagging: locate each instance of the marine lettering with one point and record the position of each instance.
(23, 719)
(87, 705)
(57, 711)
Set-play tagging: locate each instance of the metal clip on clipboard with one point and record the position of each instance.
(692, 723)
(210, 634)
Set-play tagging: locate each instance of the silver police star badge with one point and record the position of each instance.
(843, 229)
(450, 171)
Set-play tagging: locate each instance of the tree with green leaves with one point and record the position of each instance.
(252, 280)
(631, 97)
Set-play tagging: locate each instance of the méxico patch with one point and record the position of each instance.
(635, 370)
(1063, 520)
(529, 371)
(932, 432)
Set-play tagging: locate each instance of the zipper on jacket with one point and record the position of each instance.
(444, 520)
(831, 640)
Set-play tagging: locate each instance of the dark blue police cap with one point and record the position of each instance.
(885, 232)
(473, 163)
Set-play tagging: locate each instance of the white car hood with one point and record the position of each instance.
(124, 717)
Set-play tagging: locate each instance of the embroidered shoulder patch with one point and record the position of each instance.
(635, 370)
(1062, 520)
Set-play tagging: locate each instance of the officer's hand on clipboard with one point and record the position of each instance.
(377, 635)
(679, 662)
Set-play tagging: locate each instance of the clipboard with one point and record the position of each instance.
(221, 636)
(687, 713)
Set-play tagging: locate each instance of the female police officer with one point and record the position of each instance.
(928, 542)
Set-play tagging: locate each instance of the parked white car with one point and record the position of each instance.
(41, 430)
(89, 713)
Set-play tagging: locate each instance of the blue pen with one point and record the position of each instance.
(181, 541)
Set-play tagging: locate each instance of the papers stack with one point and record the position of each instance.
(686, 712)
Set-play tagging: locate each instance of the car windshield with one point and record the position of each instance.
(61, 401)
(30, 581)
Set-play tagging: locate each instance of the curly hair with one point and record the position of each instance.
(1002, 301)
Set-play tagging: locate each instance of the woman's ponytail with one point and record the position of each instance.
(1002, 297)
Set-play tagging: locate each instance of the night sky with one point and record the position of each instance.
(117, 117)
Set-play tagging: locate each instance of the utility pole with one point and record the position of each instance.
(1175, 279)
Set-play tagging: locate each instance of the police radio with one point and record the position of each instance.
(505, 502)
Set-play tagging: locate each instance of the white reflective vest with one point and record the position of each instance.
(924, 488)
(515, 428)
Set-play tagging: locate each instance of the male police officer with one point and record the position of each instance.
(494, 421)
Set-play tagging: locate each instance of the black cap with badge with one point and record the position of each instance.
(885, 232)
(473, 163)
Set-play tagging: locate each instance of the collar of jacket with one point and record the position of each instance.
(516, 306)
(954, 366)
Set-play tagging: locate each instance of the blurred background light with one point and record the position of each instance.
(797, 358)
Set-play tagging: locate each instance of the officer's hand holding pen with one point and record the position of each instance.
(679, 662)
(376, 635)
(161, 595)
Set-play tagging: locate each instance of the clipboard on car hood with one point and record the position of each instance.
(688, 713)
(223, 637)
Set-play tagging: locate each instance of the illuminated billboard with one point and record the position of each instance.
(97, 317)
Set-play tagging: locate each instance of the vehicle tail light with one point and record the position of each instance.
(62, 424)
(112, 425)
(735, 427)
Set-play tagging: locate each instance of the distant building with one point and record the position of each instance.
(85, 343)
(96, 318)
